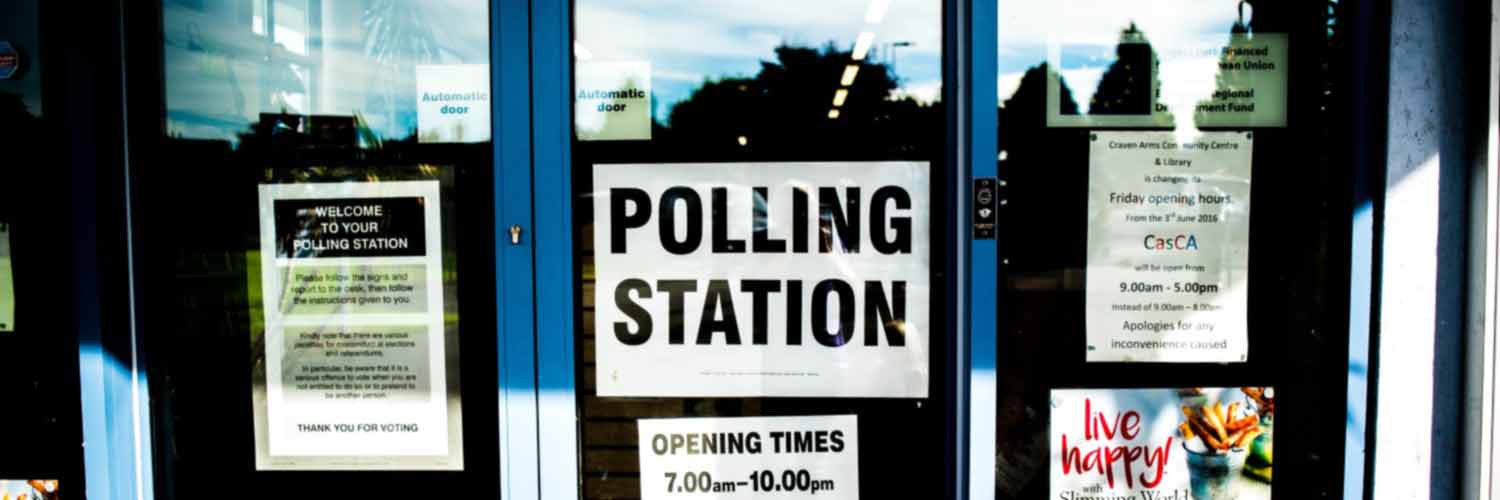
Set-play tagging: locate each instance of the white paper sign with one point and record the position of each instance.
(1213, 80)
(1168, 247)
(723, 280)
(613, 101)
(7, 283)
(1129, 443)
(354, 335)
(750, 457)
(453, 103)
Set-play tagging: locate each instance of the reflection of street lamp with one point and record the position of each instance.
(894, 46)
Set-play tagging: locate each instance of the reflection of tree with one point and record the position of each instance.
(1042, 233)
(782, 112)
(1127, 86)
(396, 37)
(14, 116)
(20, 136)
(1041, 163)
(1023, 115)
(396, 33)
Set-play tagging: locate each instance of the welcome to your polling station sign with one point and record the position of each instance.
(762, 279)
(355, 353)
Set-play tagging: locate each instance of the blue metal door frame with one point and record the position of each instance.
(510, 53)
(970, 35)
(552, 127)
(981, 46)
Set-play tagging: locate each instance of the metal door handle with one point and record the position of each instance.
(515, 234)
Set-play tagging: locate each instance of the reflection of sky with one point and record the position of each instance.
(219, 77)
(1089, 30)
(690, 41)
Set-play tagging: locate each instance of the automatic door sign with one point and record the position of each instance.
(762, 279)
(1168, 247)
(613, 101)
(453, 103)
(355, 373)
(750, 457)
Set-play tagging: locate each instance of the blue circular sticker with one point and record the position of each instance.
(10, 61)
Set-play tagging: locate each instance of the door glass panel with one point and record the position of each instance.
(42, 385)
(1145, 308)
(755, 205)
(324, 291)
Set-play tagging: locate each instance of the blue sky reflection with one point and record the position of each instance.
(690, 42)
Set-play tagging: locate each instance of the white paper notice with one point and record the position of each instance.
(1168, 247)
(613, 101)
(7, 283)
(354, 335)
(1215, 80)
(453, 103)
(762, 279)
(750, 457)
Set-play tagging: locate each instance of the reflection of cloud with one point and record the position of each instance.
(1100, 21)
(691, 41)
(1026, 29)
(1083, 81)
(681, 76)
(216, 66)
(924, 92)
(1008, 83)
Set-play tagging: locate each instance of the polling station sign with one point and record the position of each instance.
(762, 279)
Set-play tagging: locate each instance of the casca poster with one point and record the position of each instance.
(1162, 444)
(354, 352)
(750, 457)
(762, 279)
(1168, 247)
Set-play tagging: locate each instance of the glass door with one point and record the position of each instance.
(1172, 258)
(759, 283)
(39, 385)
(317, 250)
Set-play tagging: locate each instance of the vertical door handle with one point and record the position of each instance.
(515, 234)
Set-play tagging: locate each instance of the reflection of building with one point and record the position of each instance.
(227, 61)
(287, 132)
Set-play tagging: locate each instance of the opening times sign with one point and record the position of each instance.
(762, 279)
(1168, 247)
(355, 372)
(749, 457)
